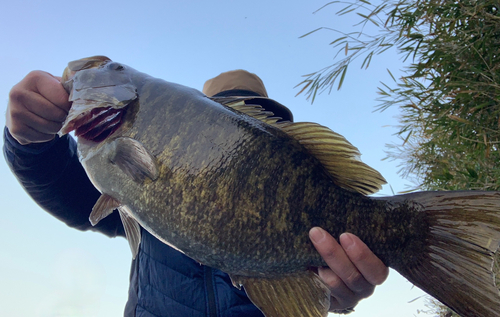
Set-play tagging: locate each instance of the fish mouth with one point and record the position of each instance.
(96, 111)
(95, 124)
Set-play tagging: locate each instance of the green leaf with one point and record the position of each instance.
(338, 39)
(307, 84)
(472, 172)
(342, 77)
(309, 33)
(345, 11)
(392, 76)
(367, 60)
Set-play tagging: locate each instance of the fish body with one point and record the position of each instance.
(238, 190)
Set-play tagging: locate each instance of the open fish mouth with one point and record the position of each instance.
(97, 110)
(95, 124)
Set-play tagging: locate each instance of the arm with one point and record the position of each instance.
(353, 270)
(47, 166)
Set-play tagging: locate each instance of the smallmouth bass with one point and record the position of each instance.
(237, 189)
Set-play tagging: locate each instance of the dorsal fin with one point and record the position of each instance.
(254, 111)
(339, 156)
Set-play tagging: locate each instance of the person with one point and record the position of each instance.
(163, 281)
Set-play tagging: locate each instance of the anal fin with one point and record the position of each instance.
(132, 230)
(299, 294)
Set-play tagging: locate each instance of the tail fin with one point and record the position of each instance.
(464, 236)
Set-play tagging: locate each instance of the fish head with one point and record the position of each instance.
(100, 91)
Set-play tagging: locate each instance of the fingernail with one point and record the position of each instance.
(317, 235)
(346, 241)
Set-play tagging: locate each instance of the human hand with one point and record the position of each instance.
(37, 107)
(353, 270)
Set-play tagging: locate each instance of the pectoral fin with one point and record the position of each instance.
(103, 208)
(132, 230)
(134, 159)
(300, 294)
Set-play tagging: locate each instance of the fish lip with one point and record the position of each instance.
(88, 62)
(81, 64)
(67, 126)
(68, 85)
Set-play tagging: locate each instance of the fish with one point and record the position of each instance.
(236, 188)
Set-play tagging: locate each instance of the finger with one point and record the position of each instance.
(27, 127)
(36, 122)
(33, 102)
(338, 261)
(51, 88)
(367, 263)
(341, 295)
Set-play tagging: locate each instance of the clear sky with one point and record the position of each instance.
(48, 269)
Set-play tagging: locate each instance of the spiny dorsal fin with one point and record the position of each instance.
(254, 111)
(338, 155)
(299, 294)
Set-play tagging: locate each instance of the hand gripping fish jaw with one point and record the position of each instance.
(98, 105)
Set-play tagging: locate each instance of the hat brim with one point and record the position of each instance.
(275, 107)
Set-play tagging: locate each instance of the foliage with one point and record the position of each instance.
(435, 308)
(449, 95)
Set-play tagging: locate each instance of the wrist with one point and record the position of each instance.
(30, 148)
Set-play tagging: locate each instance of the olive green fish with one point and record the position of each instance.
(237, 189)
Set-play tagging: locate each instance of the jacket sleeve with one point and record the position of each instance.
(53, 176)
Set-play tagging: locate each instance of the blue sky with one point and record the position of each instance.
(48, 269)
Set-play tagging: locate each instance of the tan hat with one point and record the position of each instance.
(241, 83)
(234, 80)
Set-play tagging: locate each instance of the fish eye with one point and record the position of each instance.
(115, 66)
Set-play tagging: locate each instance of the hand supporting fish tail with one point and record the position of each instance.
(353, 270)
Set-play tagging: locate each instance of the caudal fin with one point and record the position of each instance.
(464, 236)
